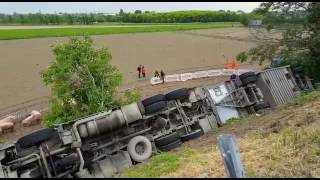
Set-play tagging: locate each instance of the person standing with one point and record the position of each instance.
(162, 74)
(143, 70)
(156, 74)
(139, 71)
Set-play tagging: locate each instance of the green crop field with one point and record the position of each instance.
(7, 34)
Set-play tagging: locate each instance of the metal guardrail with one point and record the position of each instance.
(231, 156)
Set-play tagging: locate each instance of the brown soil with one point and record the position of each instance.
(174, 52)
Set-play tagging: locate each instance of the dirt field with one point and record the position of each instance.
(22, 60)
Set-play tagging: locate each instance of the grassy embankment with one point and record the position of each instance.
(7, 34)
(283, 143)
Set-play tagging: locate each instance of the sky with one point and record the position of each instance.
(114, 7)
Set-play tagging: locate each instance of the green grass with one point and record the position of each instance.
(160, 164)
(7, 34)
(164, 163)
(303, 98)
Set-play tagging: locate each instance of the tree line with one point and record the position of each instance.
(136, 17)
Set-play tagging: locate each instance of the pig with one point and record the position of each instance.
(6, 126)
(33, 118)
(10, 118)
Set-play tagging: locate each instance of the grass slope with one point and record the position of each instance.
(7, 34)
(282, 143)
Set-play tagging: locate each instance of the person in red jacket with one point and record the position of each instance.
(139, 71)
(143, 70)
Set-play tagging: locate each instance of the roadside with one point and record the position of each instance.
(281, 143)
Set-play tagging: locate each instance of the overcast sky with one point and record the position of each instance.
(114, 7)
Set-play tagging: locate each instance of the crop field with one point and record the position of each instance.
(25, 32)
(175, 52)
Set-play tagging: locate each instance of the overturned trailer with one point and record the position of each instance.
(105, 143)
(251, 92)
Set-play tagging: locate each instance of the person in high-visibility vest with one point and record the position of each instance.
(234, 65)
(226, 66)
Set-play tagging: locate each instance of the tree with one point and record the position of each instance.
(138, 12)
(291, 31)
(121, 12)
(81, 79)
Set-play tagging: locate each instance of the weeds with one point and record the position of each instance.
(159, 164)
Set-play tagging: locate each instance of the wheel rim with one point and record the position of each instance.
(140, 148)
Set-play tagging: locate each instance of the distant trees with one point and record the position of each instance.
(137, 17)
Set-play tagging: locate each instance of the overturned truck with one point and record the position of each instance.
(104, 144)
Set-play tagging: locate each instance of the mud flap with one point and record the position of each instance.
(121, 161)
(107, 168)
(208, 123)
(83, 174)
(205, 125)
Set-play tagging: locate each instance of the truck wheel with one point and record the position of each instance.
(155, 107)
(261, 106)
(36, 137)
(139, 148)
(153, 99)
(248, 80)
(167, 139)
(171, 146)
(195, 134)
(178, 94)
(246, 74)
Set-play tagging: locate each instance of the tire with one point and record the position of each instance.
(153, 99)
(261, 106)
(155, 107)
(141, 108)
(145, 151)
(249, 80)
(170, 146)
(36, 138)
(178, 94)
(167, 139)
(195, 134)
(246, 74)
